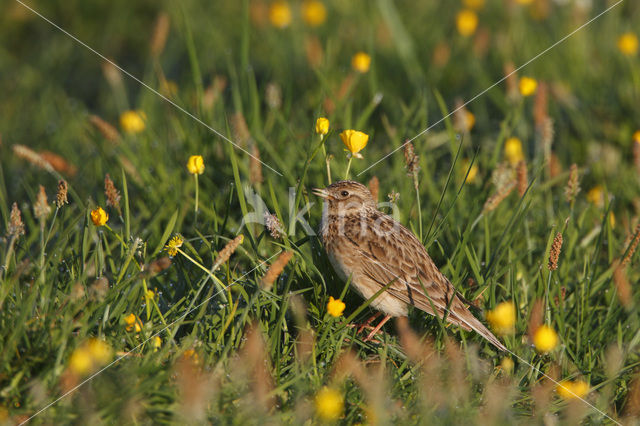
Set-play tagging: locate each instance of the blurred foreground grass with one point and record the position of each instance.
(244, 345)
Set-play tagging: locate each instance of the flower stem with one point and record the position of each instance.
(346, 175)
(196, 206)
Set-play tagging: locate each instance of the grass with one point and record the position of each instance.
(236, 347)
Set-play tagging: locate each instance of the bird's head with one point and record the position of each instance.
(346, 197)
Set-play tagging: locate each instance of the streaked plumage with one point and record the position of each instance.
(375, 250)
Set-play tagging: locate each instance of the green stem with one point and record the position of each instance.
(346, 175)
(196, 206)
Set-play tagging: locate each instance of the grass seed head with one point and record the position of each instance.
(16, 226)
(32, 157)
(573, 184)
(112, 194)
(109, 132)
(554, 253)
(61, 196)
(374, 187)
(41, 208)
(160, 33)
(276, 269)
(227, 251)
(633, 245)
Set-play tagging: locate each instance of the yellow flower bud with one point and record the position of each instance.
(503, 318)
(322, 126)
(133, 121)
(156, 342)
(354, 140)
(329, 404)
(314, 13)
(628, 44)
(513, 151)
(528, 86)
(99, 217)
(466, 22)
(195, 165)
(545, 339)
(361, 62)
(335, 307)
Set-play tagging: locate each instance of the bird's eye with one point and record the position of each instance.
(344, 193)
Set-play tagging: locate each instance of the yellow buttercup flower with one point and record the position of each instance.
(80, 361)
(156, 342)
(354, 140)
(503, 318)
(89, 356)
(99, 217)
(149, 294)
(329, 404)
(513, 151)
(195, 165)
(628, 44)
(528, 86)
(466, 22)
(636, 136)
(596, 196)
(322, 126)
(280, 14)
(470, 120)
(572, 389)
(133, 323)
(612, 220)
(507, 365)
(314, 13)
(545, 339)
(133, 121)
(473, 171)
(474, 4)
(361, 62)
(335, 307)
(100, 351)
(173, 245)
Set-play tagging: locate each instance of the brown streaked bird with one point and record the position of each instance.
(375, 251)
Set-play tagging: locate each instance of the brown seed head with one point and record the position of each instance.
(109, 132)
(160, 33)
(494, 201)
(554, 254)
(573, 185)
(623, 287)
(227, 251)
(522, 177)
(255, 166)
(61, 196)
(633, 245)
(16, 226)
(112, 194)
(33, 157)
(412, 162)
(276, 269)
(41, 208)
(240, 129)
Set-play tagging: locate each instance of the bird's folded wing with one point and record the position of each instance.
(402, 261)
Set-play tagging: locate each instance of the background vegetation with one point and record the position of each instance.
(244, 346)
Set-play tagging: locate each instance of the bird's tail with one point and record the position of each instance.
(469, 322)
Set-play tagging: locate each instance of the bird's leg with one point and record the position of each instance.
(368, 322)
(377, 328)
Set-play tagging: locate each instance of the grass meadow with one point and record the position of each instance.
(172, 289)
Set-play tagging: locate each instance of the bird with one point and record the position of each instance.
(375, 251)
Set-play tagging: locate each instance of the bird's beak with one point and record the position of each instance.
(322, 193)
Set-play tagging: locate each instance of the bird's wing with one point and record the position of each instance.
(392, 254)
